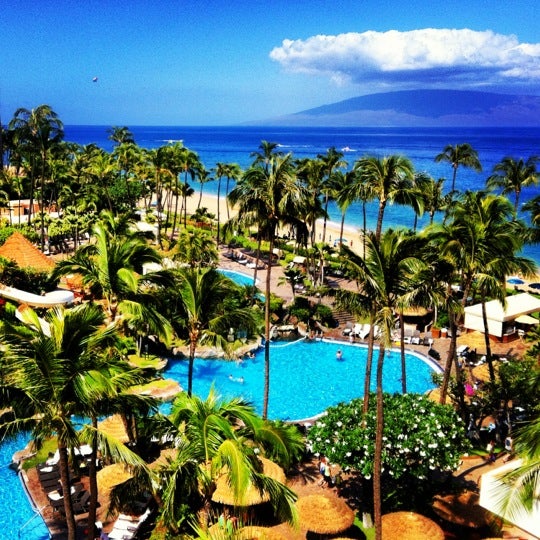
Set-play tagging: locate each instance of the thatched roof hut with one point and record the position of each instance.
(22, 252)
(324, 515)
(410, 526)
(252, 496)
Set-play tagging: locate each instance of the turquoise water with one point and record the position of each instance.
(305, 377)
(238, 277)
(17, 519)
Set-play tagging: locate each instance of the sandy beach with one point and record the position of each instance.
(351, 235)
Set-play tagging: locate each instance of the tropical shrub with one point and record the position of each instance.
(420, 438)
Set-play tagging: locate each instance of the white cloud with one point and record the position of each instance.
(427, 56)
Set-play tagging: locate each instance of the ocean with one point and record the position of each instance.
(235, 144)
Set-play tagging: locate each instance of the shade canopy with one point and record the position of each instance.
(526, 319)
(410, 526)
(113, 475)
(224, 493)
(499, 316)
(113, 426)
(324, 515)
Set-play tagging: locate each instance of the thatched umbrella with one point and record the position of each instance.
(324, 515)
(113, 475)
(462, 509)
(475, 340)
(165, 457)
(252, 496)
(481, 372)
(410, 526)
(259, 533)
(114, 427)
(434, 395)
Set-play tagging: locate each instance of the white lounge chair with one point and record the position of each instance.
(357, 329)
(365, 331)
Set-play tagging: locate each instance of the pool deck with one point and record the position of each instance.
(283, 289)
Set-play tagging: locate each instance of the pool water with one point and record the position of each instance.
(305, 377)
(237, 277)
(17, 519)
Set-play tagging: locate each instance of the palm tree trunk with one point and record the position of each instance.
(489, 358)
(227, 200)
(92, 475)
(402, 350)
(267, 332)
(377, 458)
(325, 218)
(66, 489)
(341, 228)
(378, 230)
(192, 347)
(218, 211)
(369, 364)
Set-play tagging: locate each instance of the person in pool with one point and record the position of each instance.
(339, 354)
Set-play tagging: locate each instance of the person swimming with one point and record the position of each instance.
(339, 354)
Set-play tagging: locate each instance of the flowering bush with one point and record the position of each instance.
(419, 438)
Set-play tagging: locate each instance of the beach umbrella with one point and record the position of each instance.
(461, 508)
(113, 475)
(324, 515)
(114, 427)
(410, 526)
(252, 496)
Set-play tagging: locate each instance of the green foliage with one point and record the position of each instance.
(26, 279)
(28, 232)
(420, 437)
(323, 313)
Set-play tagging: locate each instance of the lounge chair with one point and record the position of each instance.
(363, 334)
(348, 328)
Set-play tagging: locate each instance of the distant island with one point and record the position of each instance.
(422, 108)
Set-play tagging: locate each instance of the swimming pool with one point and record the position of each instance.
(238, 277)
(305, 377)
(17, 518)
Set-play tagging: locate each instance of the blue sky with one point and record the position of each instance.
(177, 62)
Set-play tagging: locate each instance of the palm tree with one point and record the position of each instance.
(391, 180)
(42, 366)
(232, 172)
(332, 160)
(214, 437)
(111, 268)
(121, 135)
(311, 173)
(196, 248)
(127, 155)
(200, 313)
(340, 185)
(267, 196)
(432, 194)
(385, 275)
(39, 129)
(481, 239)
(460, 154)
(512, 176)
(102, 170)
(203, 176)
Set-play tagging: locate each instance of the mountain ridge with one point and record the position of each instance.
(422, 108)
